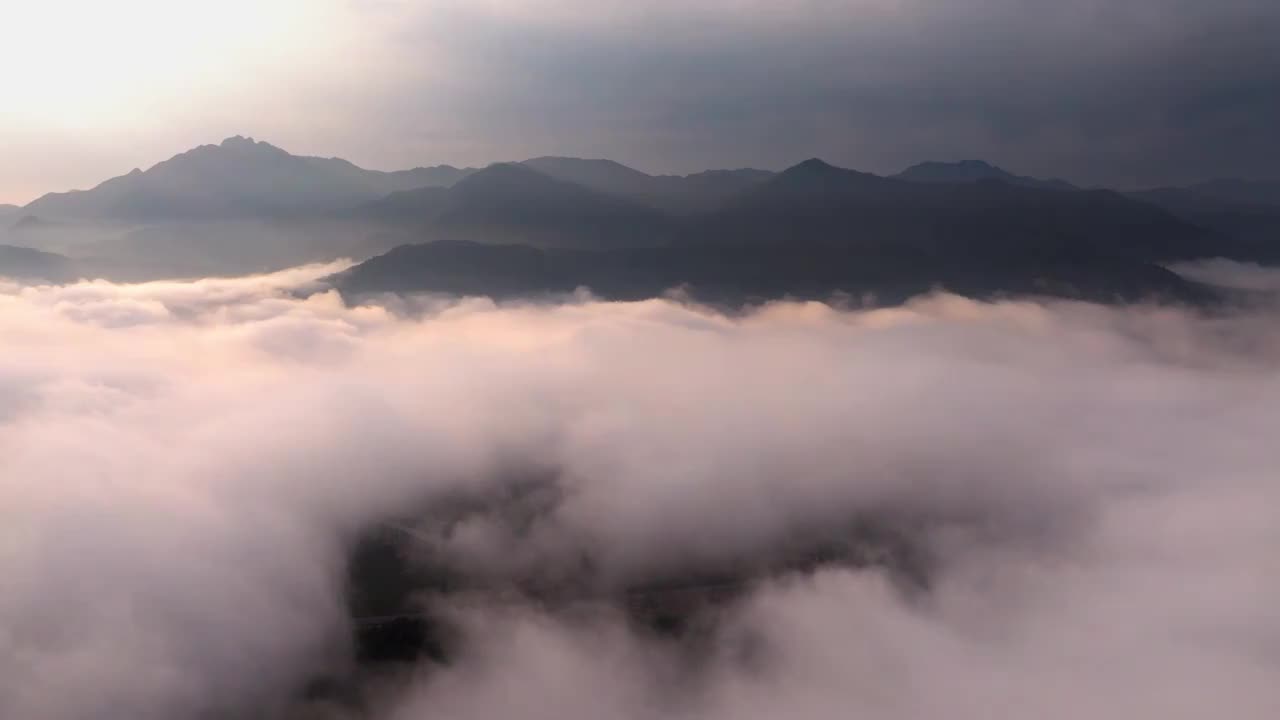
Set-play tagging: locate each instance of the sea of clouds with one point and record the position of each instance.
(1090, 498)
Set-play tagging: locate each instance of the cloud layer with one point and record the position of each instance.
(1085, 496)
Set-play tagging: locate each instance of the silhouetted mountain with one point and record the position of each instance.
(28, 264)
(1179, 200)
(248, 206)
(235, 179)
(56, 236)
(1216, 195)
(715, 186)
(743, 273)
(28, 223)
(675, 193)
(816, 202)
(417, 207)
(460, 267)
(1243, 192)
(7, 210)
(174, 249)
(816, 229)
(1252, 227)
(816, 184)
(972, 171)
(419, 177)
(509, 202)
(604, 176)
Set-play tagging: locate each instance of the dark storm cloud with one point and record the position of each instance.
(1126, 93)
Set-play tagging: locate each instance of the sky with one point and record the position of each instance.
(1140, 93)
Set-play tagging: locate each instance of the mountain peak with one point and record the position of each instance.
(506, 178)
(816, 168)
(565, 160)
(245, 145)
(237, 177)
(603, 174)
(812, 182)
(967, 171)
(814, 164)
(507, 172)
(967, 168)
(813, 168)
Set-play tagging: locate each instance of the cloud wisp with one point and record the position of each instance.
(950, 508)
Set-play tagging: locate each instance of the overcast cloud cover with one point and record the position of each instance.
(1137, 93)
(1093, 491)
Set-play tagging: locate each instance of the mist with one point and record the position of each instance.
(950, 508)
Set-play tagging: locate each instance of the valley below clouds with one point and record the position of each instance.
(951, 508)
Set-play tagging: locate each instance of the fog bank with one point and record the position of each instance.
(951, 508)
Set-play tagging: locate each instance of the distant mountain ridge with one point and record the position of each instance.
(817, 229)
(248, 206)
(974, 170)
(511, 202)
(1216, 195)
(674, 193)
(1244, 192)
(238, 177)
(27, 264)
(741, 274)
(1245, 211)
(247, 176)
(939, 223)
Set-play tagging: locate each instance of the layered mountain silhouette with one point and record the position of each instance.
(1248, 212)
(244, 205)
(973, 170)
(1216, 195)
(28, 264)
(513, 203)
(235, 179)
(817, 202)
(816, 229)
(675, 193)
(1240, 192)
(745, 274)
(552, 224)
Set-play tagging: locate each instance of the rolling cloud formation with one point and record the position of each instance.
(948, 509)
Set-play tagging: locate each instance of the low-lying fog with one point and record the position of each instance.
(1090, 495)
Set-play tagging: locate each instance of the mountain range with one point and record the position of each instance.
(973, 170)
(551, 224)
(673, 193)
(816, 228)
(512, 202)
(239, 177)
(24, 262)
